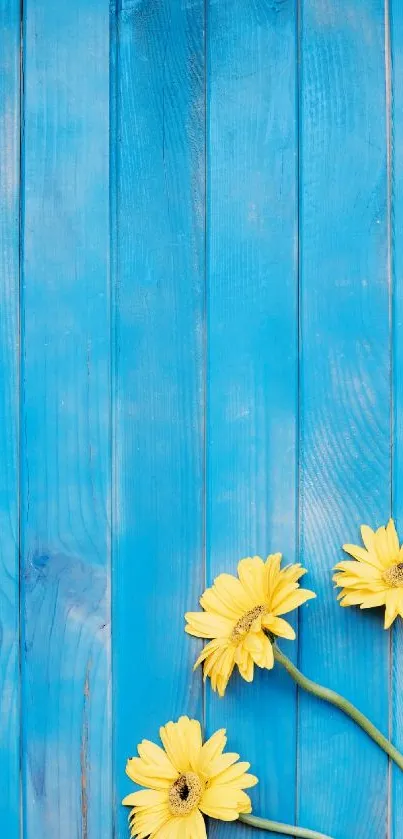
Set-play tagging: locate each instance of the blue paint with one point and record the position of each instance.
(396, 197)
(158, 454)
(345, 374)
(65, 404)
(252, 293)
(9, 413)
(210, 366)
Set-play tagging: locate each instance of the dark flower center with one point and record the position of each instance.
(185, 794)
(394, 575)
(244, 624)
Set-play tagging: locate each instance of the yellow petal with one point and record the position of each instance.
(272, 571)
(246, 667)
(142, 814)
(172, 829)
(369, 537)
(382, 547)
(230, 590)
(354, 582)
(193, 740)
(293, 573)
(211, 749)
(173, 737)
(213, 659)
(222, 813)
(392, 607)
(183, 827)
(222, 670)
(208, 625)
(262, 652)
(155, 756)
(146, 798)
(373, 600)
(253, 643)
(150, 823)
(233, 771)
(361, 555)
(244, 803)
(223, 802)
(359, 569)
(219, 605)
(353, 598)
(281, 590)
(221, 763)
(297, 598)
(210, 648)
(279, 627)
(393, 540)
(244, 662)
(148, 776)
(251, 572)
(226, 664)
(197, 826)
(389, 619)
(245, 781)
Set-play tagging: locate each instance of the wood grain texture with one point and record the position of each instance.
(345, 400)
(66, 422)
(182, 416)
(158, 550)
(252, 352)
(396, 170)
(9, 416)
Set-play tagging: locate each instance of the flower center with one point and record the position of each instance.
(394, 575)
(185, 794)
(244, 624)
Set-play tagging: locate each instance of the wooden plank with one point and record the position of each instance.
(345, 400)
(66, 422)
(252, 351)
(395, 36)
(159, 378)
(9, 415)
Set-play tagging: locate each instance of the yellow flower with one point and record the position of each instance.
(242, 617)
(184, 780)
(375, 576)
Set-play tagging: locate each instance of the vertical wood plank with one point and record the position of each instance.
(252, 351)
(158, 552)
(396, 137)
(9, 416)
(66, 422)
(345, 400)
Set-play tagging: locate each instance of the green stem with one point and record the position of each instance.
(285, 829)
(335, 699)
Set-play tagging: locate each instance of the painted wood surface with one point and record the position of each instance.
(159, 347)
(252, 350)
(65, 416)
(395, 70)
(9, 417)
(201, 358)
(345, 377)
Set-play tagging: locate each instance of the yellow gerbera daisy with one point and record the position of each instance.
(375, 576)
(183, 780)
(242, 617)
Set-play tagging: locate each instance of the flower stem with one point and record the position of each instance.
(285, 829)
(340, 702)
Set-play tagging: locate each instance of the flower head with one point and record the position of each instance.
(241, 616)
(183, 780)
(375, 576)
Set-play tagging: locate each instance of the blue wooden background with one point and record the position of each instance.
(201, 357)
